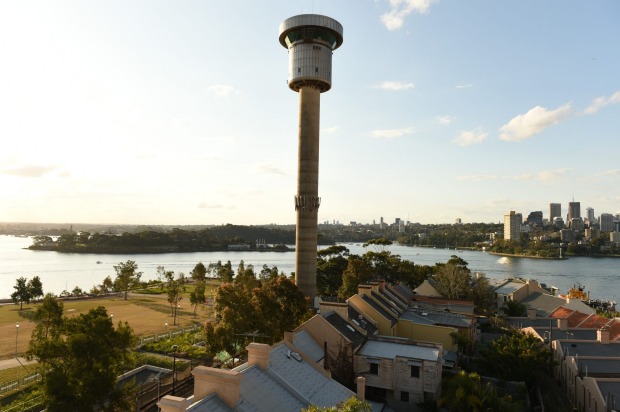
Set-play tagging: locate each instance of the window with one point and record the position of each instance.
(374, 369)
(415, 371)
(404, 396)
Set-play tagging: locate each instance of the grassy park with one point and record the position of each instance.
(147, 314)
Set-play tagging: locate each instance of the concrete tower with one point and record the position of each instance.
(310, 40)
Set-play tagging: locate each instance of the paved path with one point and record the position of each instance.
(14, 363)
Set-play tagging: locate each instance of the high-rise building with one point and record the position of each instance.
(310, 40)
(555, 210)
(574, 211)
(512, 226)
(590, 214)
(535, 218)
(607, 222)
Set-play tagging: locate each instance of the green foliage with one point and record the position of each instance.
(127, 276)
(352, 404)
(453, 279)
(516, 356)
(22, 292)
(186, 344)
(464, 392)
(331, 264)
(81, 357)
(267, 310)
(199, 273)
(514, 308)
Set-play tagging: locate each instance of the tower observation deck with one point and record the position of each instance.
(310, 40)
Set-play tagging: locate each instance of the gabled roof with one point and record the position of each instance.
(308, 346)
(508, 286)
(348, 331)
(393, 299)
(387, 315)
(360, 320)
(403, 290)
(287, 384)
(544, 304)
(386, 304)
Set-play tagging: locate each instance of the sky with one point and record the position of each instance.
(178, 112)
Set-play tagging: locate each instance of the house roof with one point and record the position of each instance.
(379, 309)
(381, 299)
(391, 350)
(392, 299)
(285, 385)
(598, 368)
(348, 331)
(593, 348)
(403, 290)
(360, 320)
(430, 317)
(308, 346)
(508, 287)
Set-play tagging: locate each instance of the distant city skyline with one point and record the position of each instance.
(178, 113)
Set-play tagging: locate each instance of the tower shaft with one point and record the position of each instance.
(307, 200)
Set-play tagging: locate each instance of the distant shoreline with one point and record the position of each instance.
(528, 256)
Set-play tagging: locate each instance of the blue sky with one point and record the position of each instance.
(162, 112)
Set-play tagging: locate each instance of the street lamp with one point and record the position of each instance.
(174, 366)
(16, 335)
(167, 329)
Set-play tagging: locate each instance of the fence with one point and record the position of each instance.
(31, 405)
(168, 335)
(19, 383)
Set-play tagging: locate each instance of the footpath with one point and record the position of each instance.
(14, 363)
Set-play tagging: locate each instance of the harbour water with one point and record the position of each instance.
(64, 271)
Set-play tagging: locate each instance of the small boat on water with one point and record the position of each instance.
(99, 262)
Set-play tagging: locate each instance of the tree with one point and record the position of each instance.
(331, 264)
(199, 273)
(271, 308)
(175, 288)
(516, 356)
(36, 288)
(352, 404)
(22, 292)
(197, 296)
(453, 278)
(465, 392)
(81, 358)
(356, 273)
(483, 296)
(514, 308)
(246, 276)
(127, 276)
(107, 286)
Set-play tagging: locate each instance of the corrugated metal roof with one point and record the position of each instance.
(390, 350)
(380, 309)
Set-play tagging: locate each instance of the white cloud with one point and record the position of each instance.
(272, 170)
(476, 178)
(392, 133)
(464, 86)
(526, 125)
(466, 138)
(394, 18)
(29, 171)
(329, 130)
(445, 120)
(601, 102)
(544, 176)
(223, 90)
(393, 85)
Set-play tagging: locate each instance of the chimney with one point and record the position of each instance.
(531, 313)
(602, 336)
(381, 284)
(563, 323)
(225, 383)
(258, 354)
(340, 308)
(361, 388)
(173, 404)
